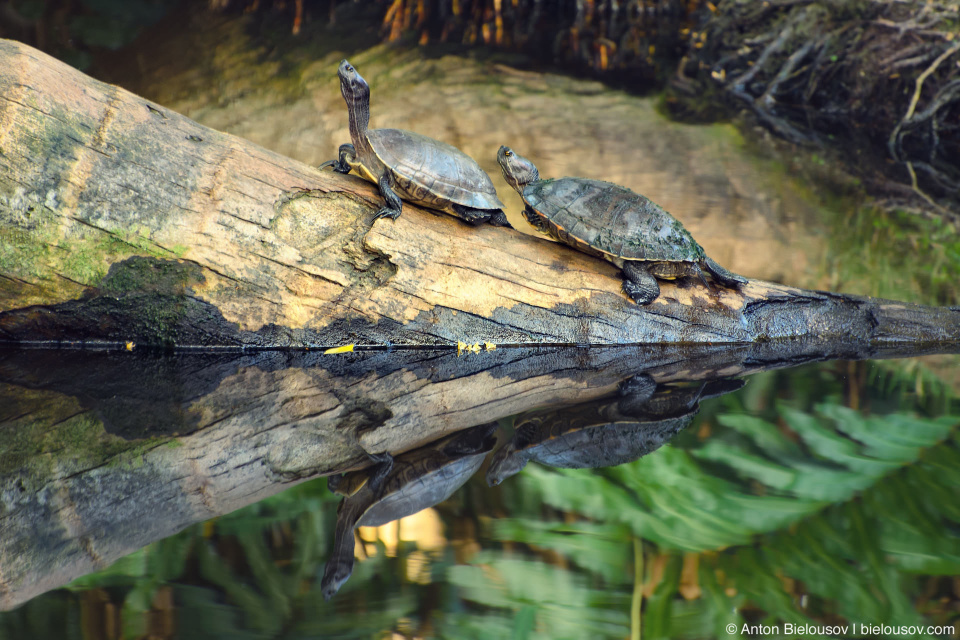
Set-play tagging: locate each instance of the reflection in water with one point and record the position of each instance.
(607, 432)
(418, 479)
(822, 511)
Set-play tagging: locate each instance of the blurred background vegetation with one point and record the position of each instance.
(873, 84)
(823, 494)
(820, 495)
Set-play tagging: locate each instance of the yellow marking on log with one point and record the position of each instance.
(347, 348)
(489, 346)
(129, 346)
(463, 347)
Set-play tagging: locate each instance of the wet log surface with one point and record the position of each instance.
(125, 222)
(104, 452)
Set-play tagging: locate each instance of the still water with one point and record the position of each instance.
(552, 493)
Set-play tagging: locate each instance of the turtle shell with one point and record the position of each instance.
(426, 476)
(609, 220)
(423, 484)
(433, 172)
(582, 438)
(605, 432)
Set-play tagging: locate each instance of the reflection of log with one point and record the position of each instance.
(237, 245)
(74, 496)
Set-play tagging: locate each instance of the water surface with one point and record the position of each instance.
(748, 493)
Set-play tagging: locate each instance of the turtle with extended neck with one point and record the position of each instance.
(412, 167)
(614, 223)
(606, 432)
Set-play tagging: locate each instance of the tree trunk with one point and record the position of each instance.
(124, 222)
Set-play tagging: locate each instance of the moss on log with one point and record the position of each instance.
(123, 221)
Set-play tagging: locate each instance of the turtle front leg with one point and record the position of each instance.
(383, 465)
(393, 205)
(347, 151)
(638, 284)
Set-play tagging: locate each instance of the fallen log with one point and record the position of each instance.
(122, 221)
(105, 452)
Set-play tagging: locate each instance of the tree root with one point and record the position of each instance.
(875, 75)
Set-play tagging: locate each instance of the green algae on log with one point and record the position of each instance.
(122, 221)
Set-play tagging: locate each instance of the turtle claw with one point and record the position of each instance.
(339, 167)
(387, 212)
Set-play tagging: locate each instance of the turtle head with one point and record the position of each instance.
(352, 85)
(336, 572)
(517, 170)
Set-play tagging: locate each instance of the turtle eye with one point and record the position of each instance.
(508, 153)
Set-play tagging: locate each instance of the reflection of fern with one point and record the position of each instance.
(913, 380)
(788, 517)
(848, 511)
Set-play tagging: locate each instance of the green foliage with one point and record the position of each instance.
(780, 505)
(852, 507)
(895, 255)
(594, 547)
(90, 24)
(562, 603)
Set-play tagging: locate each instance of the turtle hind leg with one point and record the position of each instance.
(638, 284)
(724, 277)
(499, 219)
(341, 165)
(496, 217)
(635, 392)
(393, 205)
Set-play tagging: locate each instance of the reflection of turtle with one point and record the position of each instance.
(613, 223)
(418, 479)
(411, 166)
(607, 432)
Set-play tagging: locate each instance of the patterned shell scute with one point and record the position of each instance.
(606, 445)
(435, 169)
(612, 219)
(422, 485)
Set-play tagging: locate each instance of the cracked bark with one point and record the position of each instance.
(280, 254)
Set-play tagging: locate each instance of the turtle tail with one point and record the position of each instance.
(724, 277)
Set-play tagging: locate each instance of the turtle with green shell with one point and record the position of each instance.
(606, 432)
(410, 483)
(410, 166)
(614, 223)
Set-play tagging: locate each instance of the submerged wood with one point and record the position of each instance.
(123, 221)
(105, 452)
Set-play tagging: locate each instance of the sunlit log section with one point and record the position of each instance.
(124, 221)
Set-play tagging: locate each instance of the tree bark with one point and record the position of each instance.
(122, 221)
